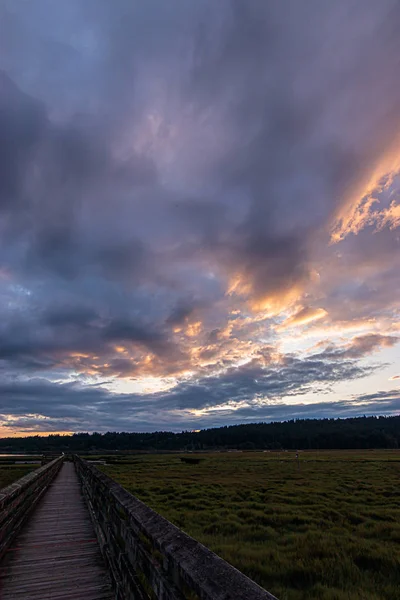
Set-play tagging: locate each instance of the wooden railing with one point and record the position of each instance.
(149, 557)
(48, 457)
(18, 499)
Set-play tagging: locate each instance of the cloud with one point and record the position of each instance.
(172, 178)
(42, 406)
(360, 346)
(304, 316)
(368, 210)
(265, 378)
(22, 122)
(286, 164)
(181, 313)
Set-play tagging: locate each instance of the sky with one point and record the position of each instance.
(199, 212)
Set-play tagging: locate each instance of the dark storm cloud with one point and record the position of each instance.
(121, 330)
(180, 313)
(275, 155)
(266, 58)
(76, 329)
(156, 155)
(66, 154)
(79, 316)
(22, 121)
(187, 309)
(47, 180)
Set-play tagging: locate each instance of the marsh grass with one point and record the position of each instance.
(327, 531)
(10, 473)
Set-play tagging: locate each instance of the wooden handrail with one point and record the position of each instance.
(149, 557)
(19, 498)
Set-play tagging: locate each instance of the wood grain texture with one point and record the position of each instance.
(56, 555)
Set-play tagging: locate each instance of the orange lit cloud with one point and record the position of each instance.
(193, 329)
(362, 208)
(272, 303)
(389, 217)
(303, 316)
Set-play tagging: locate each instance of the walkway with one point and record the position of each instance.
(56, 555)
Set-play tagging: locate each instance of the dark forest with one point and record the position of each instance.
(302, 434)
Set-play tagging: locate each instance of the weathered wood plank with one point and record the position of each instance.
(56, 555)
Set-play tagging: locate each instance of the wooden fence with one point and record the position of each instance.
(18, 499)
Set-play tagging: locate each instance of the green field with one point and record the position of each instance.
(326, 529)
(10, 473)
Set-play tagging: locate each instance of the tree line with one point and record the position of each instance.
(301, 434)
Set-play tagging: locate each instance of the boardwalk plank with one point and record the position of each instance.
(56, 555)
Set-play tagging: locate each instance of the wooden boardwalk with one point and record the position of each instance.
(56, 555)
